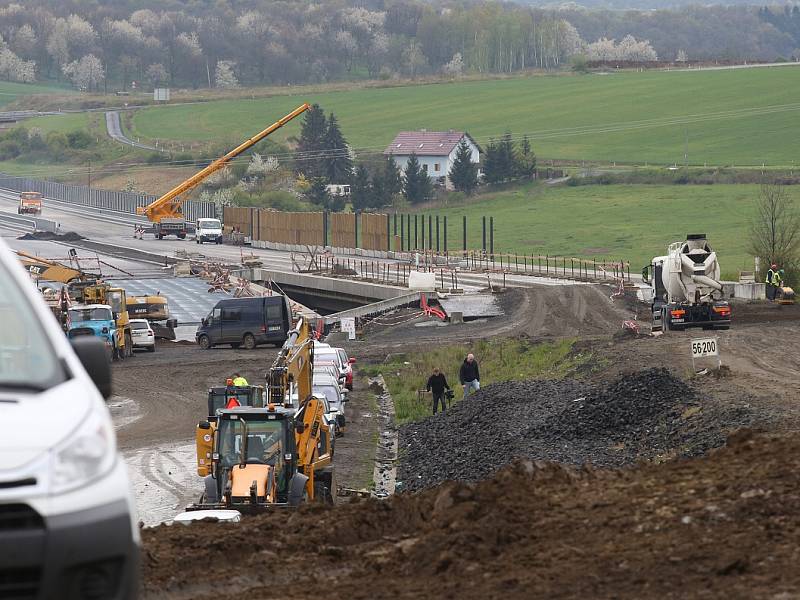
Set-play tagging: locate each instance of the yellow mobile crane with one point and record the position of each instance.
(165, 213)
(255, 458)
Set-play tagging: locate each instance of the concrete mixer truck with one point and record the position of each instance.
(685, 286)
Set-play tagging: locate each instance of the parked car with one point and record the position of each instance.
(67, 512)
(348, 364)
(328, 355)
(246, 322)
(329, 387)
(143, 335)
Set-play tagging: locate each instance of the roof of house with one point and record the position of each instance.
(426, 143)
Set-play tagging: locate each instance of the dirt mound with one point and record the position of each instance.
(721, 526)
(48, 236)
(645, 415)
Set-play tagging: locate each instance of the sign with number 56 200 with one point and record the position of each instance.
(705, 347)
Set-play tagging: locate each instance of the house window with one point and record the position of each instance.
(436, 167)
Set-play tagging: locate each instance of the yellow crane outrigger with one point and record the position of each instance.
(165, 213)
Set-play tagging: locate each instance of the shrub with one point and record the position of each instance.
(79, 140)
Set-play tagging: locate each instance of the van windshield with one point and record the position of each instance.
(27, 360)
(209, 224)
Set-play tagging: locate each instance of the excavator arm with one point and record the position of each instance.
(168, 206)
(49, 270)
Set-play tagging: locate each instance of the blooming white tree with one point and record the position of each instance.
(86, 73)
(455, 67)
(224, 77)
(602, 49)
(260, 165)
(636, 50)
(157, 74)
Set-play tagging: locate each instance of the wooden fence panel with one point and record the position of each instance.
(238, 218)
(374, 232)
(343, 230)
(291, 227)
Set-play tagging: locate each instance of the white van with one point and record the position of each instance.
(208, 230)
(67, 518)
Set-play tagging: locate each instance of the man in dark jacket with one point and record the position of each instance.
(437, 383)
(468, 375)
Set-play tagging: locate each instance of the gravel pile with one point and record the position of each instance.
(46, 236)
(647, 415)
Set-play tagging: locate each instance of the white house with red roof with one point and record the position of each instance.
(435, 150)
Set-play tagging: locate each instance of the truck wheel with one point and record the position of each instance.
(204, 342)
(249, 341)
(151, 348)
(197, 240)
(322, 495)
(182, 236)
(159, 236)
(722, 327)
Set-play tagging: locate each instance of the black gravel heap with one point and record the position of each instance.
(647, 415)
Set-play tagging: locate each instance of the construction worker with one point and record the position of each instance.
(468, 375)
(770, 281)
(230, 393)
(239, 381)
(437, 383)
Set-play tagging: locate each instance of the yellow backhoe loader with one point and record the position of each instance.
(166, 213)
(257, 452)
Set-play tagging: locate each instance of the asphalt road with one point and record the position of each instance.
(114, 129)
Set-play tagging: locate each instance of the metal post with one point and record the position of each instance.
(416, 240)
(483, 221)
(464, 233)
(430, 232)
(389, 231)
(355, 229)
(445, 234)
(402, 232)
(437, 234)
(324, 226)
(491, 235)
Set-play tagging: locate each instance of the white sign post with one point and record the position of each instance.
(705, 347)
(348, 325)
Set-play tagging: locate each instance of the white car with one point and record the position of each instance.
(65, 499)
(143, 336)
(329, 386)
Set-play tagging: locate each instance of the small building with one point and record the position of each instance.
(435, 150)
(336, 189)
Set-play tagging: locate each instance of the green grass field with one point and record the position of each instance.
(630, 222)
(10, 91)
(721, 117)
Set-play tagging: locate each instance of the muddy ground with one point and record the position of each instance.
(722, 524)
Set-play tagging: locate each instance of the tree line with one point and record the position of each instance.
(226, 44)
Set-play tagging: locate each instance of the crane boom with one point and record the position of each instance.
(169, 205)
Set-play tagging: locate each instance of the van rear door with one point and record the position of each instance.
(274, 319)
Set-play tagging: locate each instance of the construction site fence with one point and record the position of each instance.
(447, 268)
(126, 202)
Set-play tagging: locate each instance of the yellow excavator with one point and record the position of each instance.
(166, 213)
(259, 450)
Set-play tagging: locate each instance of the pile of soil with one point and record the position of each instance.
(646, 415)
(48, 236)
(724, 525)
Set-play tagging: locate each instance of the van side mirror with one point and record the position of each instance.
(92, 353)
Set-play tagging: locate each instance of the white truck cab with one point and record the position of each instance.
(208, 230)
(67, 517)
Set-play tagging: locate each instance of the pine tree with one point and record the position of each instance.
(492, 167)
(361, 193)
(464, 173)
(308, 159)
(318, 192)
(392, 179)
(417, 186)
(525, 160)
(506, 157)
(338, 164)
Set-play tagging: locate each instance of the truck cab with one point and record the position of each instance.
(94, 319)
(30, 203)
(208, 230)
